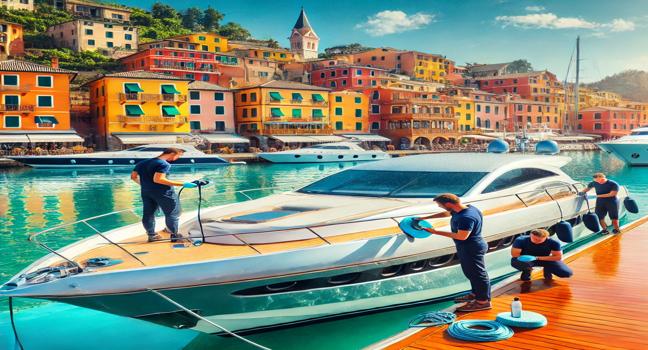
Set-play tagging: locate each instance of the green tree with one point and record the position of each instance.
(210, 19)
(273, 43)
(191, 19)
(160, 10)
(519, 66)
(234, 31)
(343, 50)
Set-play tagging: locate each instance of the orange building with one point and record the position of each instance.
(348, 111)
(609, 122)
(418, 65)
(35, 103)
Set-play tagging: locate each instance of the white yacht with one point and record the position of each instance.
(325, 153)
(632, 149)
(330, 249)
(125, 158)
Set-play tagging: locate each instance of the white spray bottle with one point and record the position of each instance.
(516, 308)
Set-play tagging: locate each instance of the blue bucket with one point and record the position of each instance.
(592, 223)
(564, 231)
(631, 205)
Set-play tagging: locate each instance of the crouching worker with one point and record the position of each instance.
(547, 252)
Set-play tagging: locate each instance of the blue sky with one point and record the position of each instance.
(614, 34)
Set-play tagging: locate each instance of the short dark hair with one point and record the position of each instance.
(540, 232)
(172, 150)
(446, 198)
(598, 175)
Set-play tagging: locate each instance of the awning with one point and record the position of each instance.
(276, 112)
(132, 88)
(294, 139)
(328, 138)
(296, 112)
(13, 138)
(317, 113)
(224, 138)
(169, 89)
(142, 139)
(134, 110)
(54, 137)
(275, 96)
(367, 137)
(296, 96)
(170, 111)
(318, 98)
(42, 119)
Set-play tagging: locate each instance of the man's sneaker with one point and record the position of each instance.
(526, 275)
(474, 306)
(616, 232)
(154, 238)
(176, 237)
(547, 276)
(605, 232)
(166, 230)
(465, 298)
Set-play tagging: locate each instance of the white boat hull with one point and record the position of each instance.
(633, 153)
(322, 157)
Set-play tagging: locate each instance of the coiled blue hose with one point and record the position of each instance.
(432, 319)
(493, 331)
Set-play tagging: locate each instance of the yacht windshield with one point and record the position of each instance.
(329, 147)
(397, 184)
(639, 133)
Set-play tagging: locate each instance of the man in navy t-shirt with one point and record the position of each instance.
(466, 226)
(157, 192)
(547, 252)
(606, 201)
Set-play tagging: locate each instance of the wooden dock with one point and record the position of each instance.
(603, 306)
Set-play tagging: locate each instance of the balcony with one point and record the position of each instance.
(152, 120)
(185, 68)
(422, 116)
(159, 98)
(17, 108)
(268, 130)
(23, 88)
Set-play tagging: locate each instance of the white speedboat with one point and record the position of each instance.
(125, 158)
(330, 249)
(325, 153)
(632, 149)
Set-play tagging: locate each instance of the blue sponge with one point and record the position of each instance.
(526, 258)
(407, 225)
(528, 319)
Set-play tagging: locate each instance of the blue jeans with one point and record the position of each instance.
(471, 258)
(557, 268)
(167, 201)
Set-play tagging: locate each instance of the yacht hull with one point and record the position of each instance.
(634, 154)
(322, 157)
(104, 162)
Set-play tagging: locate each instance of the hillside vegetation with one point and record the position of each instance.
(631, 84)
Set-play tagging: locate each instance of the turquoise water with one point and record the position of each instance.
(31, 200)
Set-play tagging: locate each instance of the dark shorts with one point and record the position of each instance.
(607, 207)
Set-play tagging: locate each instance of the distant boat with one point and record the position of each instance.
(325, 153)
(632, 149)
(125, 158)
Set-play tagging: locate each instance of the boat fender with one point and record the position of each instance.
(414, 228)
(592, 223)
(527, 319)
(631, 205)
(564, 231)
(479, 330)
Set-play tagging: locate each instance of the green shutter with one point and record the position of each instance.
(317, 113)
(48, 119)
(318, 98)
(134, 110)
(296, 96)
(296, 113)
(276, 112)
(358, 113)
(338, 126)
(132, 88)
(170, 111)
(169, 89)
(338, 110)
(275, 96)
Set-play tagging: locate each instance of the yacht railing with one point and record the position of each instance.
(572, 188)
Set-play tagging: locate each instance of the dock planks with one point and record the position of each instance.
(603, 306)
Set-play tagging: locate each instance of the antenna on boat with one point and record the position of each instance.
(577, 83)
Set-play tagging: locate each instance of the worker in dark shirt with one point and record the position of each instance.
(157, 192)
(606, 201)
(466, 226)
(547, 252)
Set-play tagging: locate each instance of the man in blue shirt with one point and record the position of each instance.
(466, 226)
(547, 252)
(606, 201)
(157, 192)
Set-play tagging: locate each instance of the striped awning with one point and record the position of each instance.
(13, 138)
(367, 137)
(294, 139)
(224, 138)
(54, 137)
(143, 139)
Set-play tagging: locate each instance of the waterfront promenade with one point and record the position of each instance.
(603, 306)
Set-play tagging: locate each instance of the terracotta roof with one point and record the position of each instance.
(97, 4)
(488, 67)
(513, 75)
(25, 66)
(201, 85)
(284, 84)
(141, 74)
(618, 109)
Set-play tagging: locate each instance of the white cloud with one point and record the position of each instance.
(396, 21)
(551, 21)
(534, 8)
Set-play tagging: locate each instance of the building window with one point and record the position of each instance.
(358, 126)
(194, 125)
(468, 116)
(375, 109)
(219, 126)
(596, 116)
(375, 95)
(338, 110)
(91, 42)
(194, 95)
(338, 98)
(109, 44)
(322, 75)
(296, 113)
(11, 121)
(358, 113)
(219, 96)
(109, 34)
(597, 126)
(332, 73)
(243, 97)
(128, 36)
(10, 80)
(45, 121)
(45, 101)
(375, 126)
(201, 38)
(220, 110)
(244, 113)
(358, 99)
(359, 81)
(333, 84)
(276, 112)
(254, 112)
(44, 81)
(358, 71)
(205, 48)
(128, 46)
(339, 126)
(478, 108)
(89, 32)
(253, 97)
(194, 109)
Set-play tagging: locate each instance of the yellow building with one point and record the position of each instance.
(282, 108)
(209, 42)
(18, 4)
(11, 39)
(349, 111)
(139, 107)
(268, 53)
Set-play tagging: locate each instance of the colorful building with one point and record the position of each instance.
(18, 4)
(418, 65)
(211, 108)
(281, 108)
(536, 86)
(206, 42)
(641, 108)
(93, 10)
(268, 53)
(304, 42)
(139, 107)
(490, 110)
(609, 122)
(528, 114)
(35, 103)
(90, 35)
(464, 106)
(349, 111)
(11, 39)
(346, 77)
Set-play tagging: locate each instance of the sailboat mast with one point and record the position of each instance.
(576, 85)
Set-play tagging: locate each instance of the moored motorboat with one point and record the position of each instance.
(325, 153)
(125, 158)
(632, 149)
(331, 248)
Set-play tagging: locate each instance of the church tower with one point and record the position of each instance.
(303, 40)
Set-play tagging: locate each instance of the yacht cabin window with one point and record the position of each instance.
(517, 177)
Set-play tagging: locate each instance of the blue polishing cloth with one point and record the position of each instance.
(526, 258)
(407, 225)
(528, 319)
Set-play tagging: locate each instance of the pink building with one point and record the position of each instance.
(491, 110)
(211, 108)
(346, 77)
